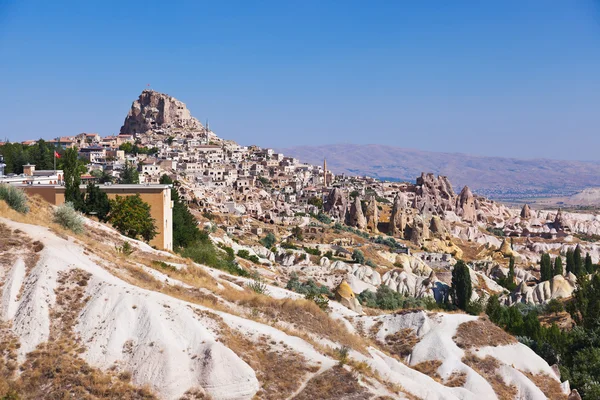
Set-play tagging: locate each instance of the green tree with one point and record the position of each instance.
(545, 267)
(130, 174)
(585, 304)
(570, 261)
(494, 310)
(269, 240)
(589, 265)
(185, 225)
(578, 261)
(96, 202)
(131, 216)
(297, 233)
(165, 180)
(461, 285)
(316, 201)
(127, 148)
(72, 169)
(558, 266)
(358, 256)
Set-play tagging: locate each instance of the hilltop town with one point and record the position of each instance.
(371, 271)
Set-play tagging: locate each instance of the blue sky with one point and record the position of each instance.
(507, 78)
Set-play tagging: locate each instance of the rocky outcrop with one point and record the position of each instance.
(559, 287)
(465, 205)
(420, 231)
(399, 217)
(356, 218)
(437, 227)
(433, 195)
(336, 204)
(526, 212)
(154, 110)
(506, 249)
(559, 221)
(346, 297)
(372, 214)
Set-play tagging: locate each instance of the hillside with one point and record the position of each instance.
(495, 177)
(84, 321)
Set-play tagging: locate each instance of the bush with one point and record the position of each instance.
(358, 256)
(314, 252)
(320, 300)
(269, 240)
(66, 216)
(14, 197)
(310, 287)
(204, 252)
(125, 249)
(324, 218)
(258, 285)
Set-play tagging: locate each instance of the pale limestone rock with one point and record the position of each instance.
(372, 215)
(356, 217)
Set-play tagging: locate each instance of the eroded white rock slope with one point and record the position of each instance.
(173, 346)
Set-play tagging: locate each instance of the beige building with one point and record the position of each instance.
(157, 196)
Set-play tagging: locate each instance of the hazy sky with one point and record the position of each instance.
(511, 78)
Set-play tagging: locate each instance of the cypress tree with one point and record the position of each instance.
(461, 285)
(578, 267)
(96, 202)
(511, 270)
(589, 265)
(72, 173)
(545, 267)
(570, 262)
(558, 266)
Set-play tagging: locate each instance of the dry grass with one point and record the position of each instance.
(401, 343)
(481, 332)
(280, 372)
(457, 379)
(15, 244)
(334, 384)
(429, 368)
(487, 367)
(303, 315)
(54, 369)
(550, 387)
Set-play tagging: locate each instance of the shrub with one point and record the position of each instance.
(66, 216)
(371, 264)
(320, 300)
(258, 285)
(125, 249)
(342, 354)
(14, 197)
(310, 287)
(324, 218)
(314, 252)
(358, 256)
(269, 240)
(204, 252)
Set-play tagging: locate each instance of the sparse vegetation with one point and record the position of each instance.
(14, 197)
(66, 216)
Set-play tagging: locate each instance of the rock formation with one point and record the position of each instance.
(433, 195)
(465, 205)
(356, 217)
(336, 204)
(559, 221)
(420, 231)
(154, 110)
(526, 212)
(372, 214)
(346, 297)
(506, 250)
(398, 218)
(437, 227)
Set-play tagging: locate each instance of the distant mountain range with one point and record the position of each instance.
(496, 177)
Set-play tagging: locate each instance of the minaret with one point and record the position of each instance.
(325, 172)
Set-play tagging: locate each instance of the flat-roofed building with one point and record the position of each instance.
(157, 196)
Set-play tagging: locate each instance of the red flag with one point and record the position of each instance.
(56, 154)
